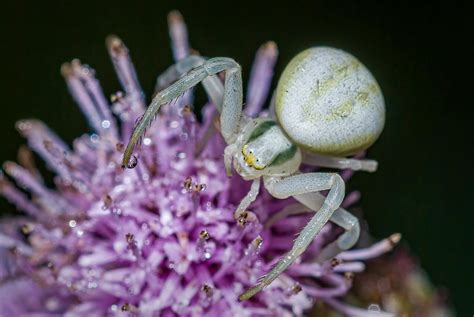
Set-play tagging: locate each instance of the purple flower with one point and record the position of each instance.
(161, 239)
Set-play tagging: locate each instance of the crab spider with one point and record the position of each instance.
(327, 106)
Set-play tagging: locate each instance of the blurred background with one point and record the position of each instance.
(418, 53)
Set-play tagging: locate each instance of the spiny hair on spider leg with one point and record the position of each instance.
(297, 235)
(137, 120)
(182, 94)
(264, 276)
(142, 135)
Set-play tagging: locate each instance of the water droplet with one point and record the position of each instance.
(171, 265)
(80, 233)
(92, 285)
(52, 304)
(374, 308)
(132, 162)
(113, 307)
(146, 141)
(174, 124)
(116, 211)
(86, 70)
(94, 138)
(24, 125)
(181, 155)
(144, 226)
(105, 124)
(207, 254)
(72, 223)
(178, 306)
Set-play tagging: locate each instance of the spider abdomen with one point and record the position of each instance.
(329, 103)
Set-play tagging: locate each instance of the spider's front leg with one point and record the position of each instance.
(212, 84)
(299, 186)
(231, 106)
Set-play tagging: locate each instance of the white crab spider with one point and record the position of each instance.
(327, 106)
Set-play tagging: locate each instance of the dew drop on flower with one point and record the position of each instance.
(24, 125)
(132, 163)
(374, 308)
(105, 124)
(85, 69)
(116, 211)
(72, 223)
(146, 141)
(207, 254)
(52, 304)
(94, 138)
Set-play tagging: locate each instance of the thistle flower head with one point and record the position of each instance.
(159, 239)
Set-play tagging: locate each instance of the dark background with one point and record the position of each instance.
(418, 53)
